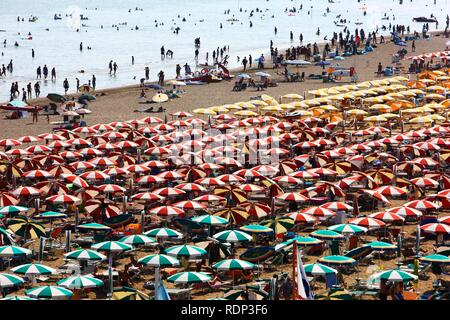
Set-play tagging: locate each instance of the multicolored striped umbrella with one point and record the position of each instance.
(80, 282)
(255, 228)
(380, 245)
(280, 225)
(233, 264)
(11, 210)
(189, 277)
(159, 261)
(21, 298)
(25, 228)
(49, 292)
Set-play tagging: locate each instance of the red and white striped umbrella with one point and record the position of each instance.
(323, 142)
(387, 217)
(427, 146)
(162, 139)
(116, 172)
(369, 223)
(52, 137)
(210, 182)
(156, 151)
(149, 179)
(427, 162)
(171, 175)
(304, 175)
(248, 187)
(38, 149)
(337, 206)
(18, 152)
(102, 162)
(210, 198)
(71, 155)
(305, 145)
(323, 171)
(168, 192)
(127, 144)
(79, 142)
(147, 196)
(155, 164)
(101, 127)
(193, 187)
(27, 139)
(375, 144)
(90, 152)
(82, 165)
(265, 170)
(365, 132)
(107, 146)
(287, 180)
(111, 188)
(94, 175)
(346, 151)
(58, 144)
(164, 127)
(74, 179)
(300, 217)
(137, 168)
(445, 220)
(26, 192)
(231, 178)
(167, 211)
(84, 130)
(361, 147)
(292, 197)
(332, 154)
(210, 166)
(114, 135)
(37, 174)
(391, 191)
(319, 212)
(248, 173)
(63, 199)
(7, 199)
(228, 162)
(152, 120)
(436, 228)
(406, 212)
(425, 182)
(189, 205)
(378, 130)
(422, 205)
(440, 142)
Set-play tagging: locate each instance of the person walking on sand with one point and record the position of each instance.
(178, 70)
(66, 86)
(24, 95)
(94, 81)
(414, 46)
(147, 73)
(35, 114)
(244, 63)
(161, 78)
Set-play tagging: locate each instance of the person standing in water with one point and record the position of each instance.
(132, 60)
(32, 53)
(78, 84)
(37, 89)
(45, 71)
(110, 67)
(66, 86)
(147, 73)
(94, 81)
(115, 67)
(29, 90)
(161, 78)
(53, 73)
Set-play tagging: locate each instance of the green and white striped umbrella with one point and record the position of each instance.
(13, 251)
(10, 280)
(256, 228)
(337, 260)
(397, 276)
(163, 233)
(94, 226)
(138, 239)
(380, 245)
(11, 210)
(186, 251)
(85, 254)
(317, 269)
(51, 215)
(21, 298)
(33, 269)
(233, 264)
(80, 282)
(301, 241)
(159, 260)
(189, 277)
(326, 235)
(347, 228)
(49, 292)
(210, 220)
(232, 236)
(436, 258)
(112, 246)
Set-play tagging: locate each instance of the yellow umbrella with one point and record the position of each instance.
(304, 113)
(396, 95)
(347, 96)
(374, 100)
(204, 111)
(427, 81)
(435, 96)
(407, 93)
(381, 107)
(421, 120)
(390, 115)
(379, 90)
(312, 102)
(436, 106)
(357, 112)
(413, 110)
(335, 98)
(323, 100)
(328, 107)
(246, 113)
(359, 94)
(258, 103)
(443, 78)
(160, 97)
(272, 108)
(364, 85)
(293, 96)
(219, 110)
(333, 91)
(436, 88)
(387, 98)
(436, 117)
(298, 104)
(232, 107)
(380, 118)
(401, 78)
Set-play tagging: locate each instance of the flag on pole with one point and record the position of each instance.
(161, 293)
(303, 287)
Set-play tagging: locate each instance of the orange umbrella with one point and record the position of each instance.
(416, 85)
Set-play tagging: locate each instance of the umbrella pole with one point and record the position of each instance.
(157, 277)
(111, 288)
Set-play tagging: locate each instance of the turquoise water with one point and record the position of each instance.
(59, 45)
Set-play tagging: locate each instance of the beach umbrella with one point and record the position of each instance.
(369, 223)
(159, 261)
(189, 277)
(319, 212)
(422, 205)
(255, 228)
(97, 208)
(166, 211)
(233, 264)
(80, 282)
(326, 234)
(25, 228)
(317, 269)
(347, 229)
(435, 258)
(397, 276)
(49, 292)
(112, 246)
(7, 199)
(33, 269)
(336, 260)
(405, 212)
(337, 206)
(445, 220)
(380, 245)
(280, 225)
(234, 214)
(163, 233)
(94, 227)
(189, 205)
(387, 217)
(63, 199)
(210, 220)
(12, 210)
(138, 239)
(26, 192)
(13, 251)
(292, 197)
(232, 236)
(50, 215)
(337, 295)
(21, 298)
(188, 251)
(436, 228)
(85, 254)
(9, 280)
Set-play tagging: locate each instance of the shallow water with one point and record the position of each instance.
(59, 46)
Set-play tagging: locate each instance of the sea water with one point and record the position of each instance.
(56, 42)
